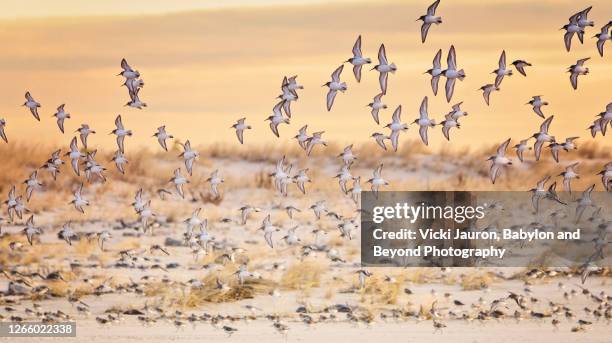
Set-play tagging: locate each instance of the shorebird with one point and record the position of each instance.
(178, 180)
(428, 19)
(436, 71)
(32, 184)
(355, 191)
(377, 180)
(584, 202)
(347, 155)
(291, 84)
(119, 159)
(520, 66)
(542, 137)
(343, 177)
(521, 148)
(195, 222)
(486, 91)
(245, 211)
(376, 105)
(363, 274)
(291, 210)
(396, 126)
(61, 115)
(162, 136)
(315, 139)
(215, 180)
(424, 122)
(569, 174)
(75, 156)
(597, 126)
(606, 177)
(502, 69)
(103, 237)
(383, 67)
(571, 28)
(569, 144)
(30, 230)
(606, 118)
(2, 132)
(268, 230)
(499, 161)
(583, 22)
(300, 179)
(11, 202)
(448, 123)
(456, 111)
(84, 131)
(302, 136)
(380, 139)
(240, 126)
(334, 86)
(67, 234)
(135, 101)
(281, 176)
(451, 73)
(576, 70)
(78, 200)
(51, 168)
(93, 168)
(277, 118)
(537, 103)
(189, 156)
(127, 71)
(358, 60)
(32, 104)
(120, 132)
(287, 97)
(318, 208)
(603, 37)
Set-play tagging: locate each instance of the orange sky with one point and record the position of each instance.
(206, 65)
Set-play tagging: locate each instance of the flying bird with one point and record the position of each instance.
(61, 115)
(277, 118)
(424, 122)
(376, 106)
(162, 136)
(396, 126)
(315, 139)
(2, 128)
(215, 180)
(537, 104)
(120, 132)
(119, 159)
(32, 104)
(75, 155)
(542, 137)
(520, 66)
(571, 28)
(383, 67)
(569, 174)
(78, 200)
(521, 148)
(189, 156)
(603, 37)
(240, 126)
(577, 70)
(84, 132)
(178, 180)
(358, 60)
(302, 136)
(436, 71)
(502, 70)
(334, 86)
(451, 73)
(499, 161)
(377, 180)
(428, 19)
(487, 90)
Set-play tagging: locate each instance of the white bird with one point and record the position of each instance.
(334, 86)
(178, 180)
(383, 67)
(277, 118)
(521, 148)
(67, 234)
(569, 174)
(32, 184)
(287, 97)
(2, 132)
(291, 84)
(120, 132)
(127, 71)
(487, 90)
(162, 136)
(11, 202)
(120, 159)
(520, 66)
(606, 118)
(380, 139)
(606, 176)
(448, 123)
(315, 139)
(537, 104)
(302, 137)
(597, 126)
(245, 211)
(78, 200)
(436, 71)
(428, 19)
(195, 222)
(343, 177)
(542, 137)
(189, 156)
(355, 191)
(135, 101)
(30, 231)
(318, 208)
(424, 122)
(571, 28)
(93, 168)
(291, 238)
(584, 202)
(502, 69)
(103, 237)
(281, 176)
(358, 60)
(75, 156)
(451, 73)
(396, 126)
(499, 161)
(32, 104)
(215, 180)
(538, 193)
(576, 70)
(61, 115)
(268, 230)
(603, 37)
(457, 112)
(377, 180)
(84, 131)
(240, 126)
(363, 275)
(291, 210)
(301, 179)
(583, 22)
(347, 155)
(376, 106)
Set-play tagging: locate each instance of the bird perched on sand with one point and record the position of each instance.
(277, 118)
(376, 106)
(189, 156)
(396, 126)
(358, 60)
(502, 69)
(120, 132)
(536, 102)
(32, 104)
(451, 73)
(499, 161)
(424, 122)
(84, 132)
(240, 126)
(542, 137)
(428, 19)
(384, 68)
(162, 136)
(436, 71)
(576, 70)
(334, 86)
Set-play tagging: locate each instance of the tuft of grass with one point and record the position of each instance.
(476, 281)
(302, 276)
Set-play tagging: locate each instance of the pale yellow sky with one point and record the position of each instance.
(206, 65)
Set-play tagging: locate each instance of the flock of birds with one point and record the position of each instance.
(83, 160)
